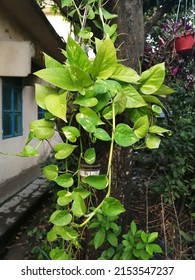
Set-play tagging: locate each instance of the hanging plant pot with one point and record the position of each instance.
(184, 44)
(89, 170)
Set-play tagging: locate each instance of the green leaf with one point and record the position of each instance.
(112, 207)
(56, 105)
(157, 110)
(152, 141)
(61, 218)
(90, 156)
(65, 199)
(88, 119)
(71, 133)
(144, 237)
(158, 130)
(71, 233)
(152, 79)
(113, 87)
(156, 248)
(108, 113)
(65, 180)
(80, 78)
(42, 129)
(133, 228)
(50, 62)
(50, 171)
(63, 150)
(100, 87)
(85, 33)
(108, 15)
(153, 99)
(91, 13)
(135, 114)
(164, 90)
(125, 74)
(99, 182)
(124, 135)
(110, 30)
(134, 99)
(86, 101)
(29, 151)
(83, 192)
(112, 239)
(41, 92)
(58, 254)
(77, 56)
(101, 134)
(51, 236)
(60, 77)
(99, 237)
(120, 100)
(152, 236)
(66, 3)
(141, 127)
(78, 206)
(105, 61)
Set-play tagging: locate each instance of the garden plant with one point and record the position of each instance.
(89, 101)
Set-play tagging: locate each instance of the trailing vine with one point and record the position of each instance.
(87, 96)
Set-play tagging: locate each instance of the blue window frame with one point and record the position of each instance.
(12, 107)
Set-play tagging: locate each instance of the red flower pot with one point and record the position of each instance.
(185, 44)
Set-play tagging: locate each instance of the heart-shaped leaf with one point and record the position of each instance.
(99, 182)
(42, 129)
(124, 135)
(50, 171)
(112, 207)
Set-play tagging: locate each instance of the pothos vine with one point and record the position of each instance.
(93, 93)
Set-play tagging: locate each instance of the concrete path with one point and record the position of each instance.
(17, 208)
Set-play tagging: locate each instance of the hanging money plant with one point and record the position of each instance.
(88, 96)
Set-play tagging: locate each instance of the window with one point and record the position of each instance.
(41, 113)
(12, 107)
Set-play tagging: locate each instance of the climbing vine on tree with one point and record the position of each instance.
(88, 95)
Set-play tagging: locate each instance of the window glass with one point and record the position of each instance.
(12, 107)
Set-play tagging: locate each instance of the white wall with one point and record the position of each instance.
(12, 166)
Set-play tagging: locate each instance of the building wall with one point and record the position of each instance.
(12, 166)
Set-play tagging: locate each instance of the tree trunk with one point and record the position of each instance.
(131, 45)
(130, 30)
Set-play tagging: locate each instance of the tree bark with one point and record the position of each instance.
(131, 46)
(130, 31)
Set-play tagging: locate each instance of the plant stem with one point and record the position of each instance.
(109, 170)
